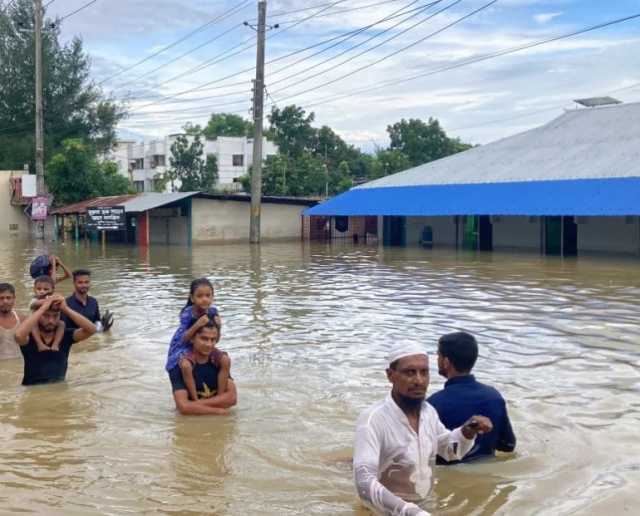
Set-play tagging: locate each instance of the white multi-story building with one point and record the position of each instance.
(144, 163)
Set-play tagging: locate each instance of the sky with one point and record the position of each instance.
(478, 102)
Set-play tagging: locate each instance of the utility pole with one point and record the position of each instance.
(39, 114)
(258, 109)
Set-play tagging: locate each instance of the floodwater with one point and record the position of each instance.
(307, 328)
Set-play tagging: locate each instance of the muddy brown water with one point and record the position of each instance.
(308, 328)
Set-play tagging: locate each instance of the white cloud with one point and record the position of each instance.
(543, 18)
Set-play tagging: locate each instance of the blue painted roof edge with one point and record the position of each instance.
(585, 197)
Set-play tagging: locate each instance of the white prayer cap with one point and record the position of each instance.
(405, 350)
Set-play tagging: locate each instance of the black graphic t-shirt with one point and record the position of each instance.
(46, 366)
(205, 375)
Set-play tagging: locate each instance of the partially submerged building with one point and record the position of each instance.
(185, 218)
(568, 186)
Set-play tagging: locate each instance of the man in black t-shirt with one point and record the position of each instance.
(205, 374)
(49, 366)
(80, 301)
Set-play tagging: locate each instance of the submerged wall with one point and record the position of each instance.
(517, 232)
(609, 234)
(226, 220)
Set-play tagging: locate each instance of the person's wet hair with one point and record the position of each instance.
(7, 287)
(80, 272)
(44, 279)
(212, 324)
(195, 284)
(461, 349)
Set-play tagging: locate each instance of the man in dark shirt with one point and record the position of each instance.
(463, 396)
(80, 301)
(49, 366)
(205, 374)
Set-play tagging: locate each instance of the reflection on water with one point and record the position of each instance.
(308, 328)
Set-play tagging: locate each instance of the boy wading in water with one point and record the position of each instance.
(215, 390)
(197, 313)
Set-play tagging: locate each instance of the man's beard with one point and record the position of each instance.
(408, 403)
(5, 311)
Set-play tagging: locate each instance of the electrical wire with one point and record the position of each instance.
(81, 8)
(224, 56)
(395, 53)
(341, 39)
(199, 29)
(366, 51)
(197, 88)
(482, 58)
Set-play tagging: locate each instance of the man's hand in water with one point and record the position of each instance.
(476, 425)
(106, 321)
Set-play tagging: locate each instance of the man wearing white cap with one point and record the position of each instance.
(397, 440)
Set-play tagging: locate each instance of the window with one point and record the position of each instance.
(139, 164)
(158, 161)
(238, 160)
(139, 186)
(13, 227)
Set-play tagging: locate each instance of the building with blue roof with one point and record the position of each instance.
(570, 185)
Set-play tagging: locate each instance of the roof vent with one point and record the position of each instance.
(597, 101)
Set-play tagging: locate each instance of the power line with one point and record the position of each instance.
(199, 67)
(198, 88)
(352, 58)
(341, 39)
(81, 8)
(477, 59)
(199, 29)
(403, 49)
(224, 56)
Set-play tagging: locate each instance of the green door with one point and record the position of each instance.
(470, 233)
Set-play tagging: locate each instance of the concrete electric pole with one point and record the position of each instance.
(258, 111)
(41, 189)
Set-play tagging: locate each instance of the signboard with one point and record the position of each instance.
(39, 208)
(28, 185)
(106, 219)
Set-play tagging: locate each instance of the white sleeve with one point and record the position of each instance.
(452, 444)
(373, 494)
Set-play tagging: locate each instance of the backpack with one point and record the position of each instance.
(40, 266)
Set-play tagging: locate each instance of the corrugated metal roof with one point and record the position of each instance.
(604, 197)
(150, 201)
(580, 144)
(81, 207)
(585, 162)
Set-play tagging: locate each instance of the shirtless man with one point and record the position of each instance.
(9, 321)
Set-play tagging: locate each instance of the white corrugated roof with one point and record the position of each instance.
(580, 144)
(150, 201)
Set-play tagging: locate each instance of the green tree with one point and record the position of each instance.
(290, 128)
(210, 174)
(390, 161)
(423, 142)
(75, 174)
(73, 106)
(227, 124)
(187, 166)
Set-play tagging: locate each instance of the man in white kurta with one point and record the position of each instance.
(397, 440)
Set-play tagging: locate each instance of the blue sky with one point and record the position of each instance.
(479, 103)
